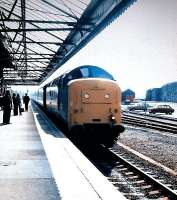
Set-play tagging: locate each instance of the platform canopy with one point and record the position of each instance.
(39, 36)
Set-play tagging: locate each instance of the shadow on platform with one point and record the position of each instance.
(48, 129)
(3, 124)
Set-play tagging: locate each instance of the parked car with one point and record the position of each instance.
(142, 106)
(162, 109)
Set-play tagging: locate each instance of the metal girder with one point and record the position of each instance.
(44, 54)
(31, 59)
(70, 23)
(44, 29)
(34, 42)
(34, 25)
(30, 67)
(12, 81)
(12, 9)
(23, 18)
(33, 31)
(40, 45)
(28, 70)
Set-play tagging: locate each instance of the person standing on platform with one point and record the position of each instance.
(26, 100)
(19, 104)
(7, 105)
(15, 104)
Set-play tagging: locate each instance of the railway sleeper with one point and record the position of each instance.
(132, 194)
(122, 169)
(138, 182)
(117, 184)
(146, 187)
(154, 194)
(133, 177)
(119, 166)
(129, 173)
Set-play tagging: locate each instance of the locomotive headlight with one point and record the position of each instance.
(107, 96)
(113, 118)
(86, 96)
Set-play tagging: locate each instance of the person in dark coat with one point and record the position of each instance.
(7, 105)
(19, 104)
(15, 104)
(26, 100)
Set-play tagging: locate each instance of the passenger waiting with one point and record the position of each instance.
(19, 104)
(26, 100)
(7, 105)
(15, 104)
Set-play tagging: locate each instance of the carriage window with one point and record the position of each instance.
(85, 72)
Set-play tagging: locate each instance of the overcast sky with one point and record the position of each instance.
(139, 48)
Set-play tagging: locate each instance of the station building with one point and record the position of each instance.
(128, 95)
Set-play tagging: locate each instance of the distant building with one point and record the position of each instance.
(148, 95)
(128, 95)
(153, 94)
(167, 93)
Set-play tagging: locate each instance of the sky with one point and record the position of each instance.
(139, 48)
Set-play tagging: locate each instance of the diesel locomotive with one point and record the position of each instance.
(87, 100)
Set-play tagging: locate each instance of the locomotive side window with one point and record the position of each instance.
(85, 72)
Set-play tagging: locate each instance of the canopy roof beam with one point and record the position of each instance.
(38, 38)
(47, 22)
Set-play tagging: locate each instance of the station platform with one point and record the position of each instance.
(37, 162)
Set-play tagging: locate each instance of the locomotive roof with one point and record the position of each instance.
(76, 74)
(85, 66)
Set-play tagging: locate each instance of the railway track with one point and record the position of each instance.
(152, 122)
(156, 116)
(134, 178)
(142, 181)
